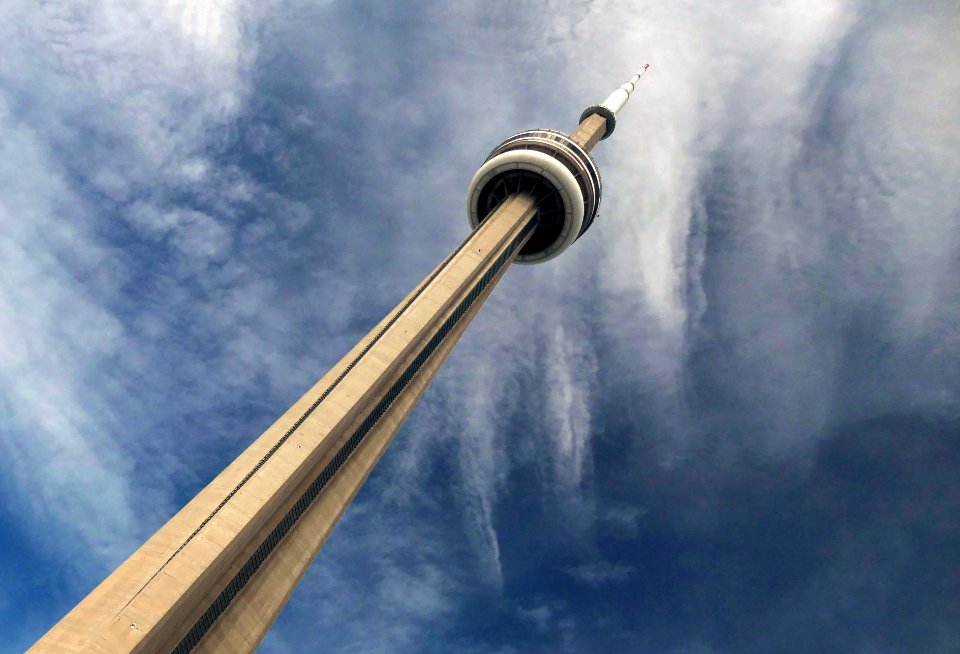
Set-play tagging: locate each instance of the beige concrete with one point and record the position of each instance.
(237, 630)
(590, 131)
(156, 596)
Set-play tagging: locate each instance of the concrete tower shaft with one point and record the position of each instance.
(214, 577)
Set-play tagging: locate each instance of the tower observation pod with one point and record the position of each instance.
(217, 574)
(554, 168)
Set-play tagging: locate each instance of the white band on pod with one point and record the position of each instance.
(553, 171)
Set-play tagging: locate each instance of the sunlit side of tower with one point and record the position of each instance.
(214, 578)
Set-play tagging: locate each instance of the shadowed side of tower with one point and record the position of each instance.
(214, 578)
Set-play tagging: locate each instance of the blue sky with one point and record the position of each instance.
(727, 420)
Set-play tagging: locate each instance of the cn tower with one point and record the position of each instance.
(214, 577)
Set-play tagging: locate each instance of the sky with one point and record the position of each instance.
(726, 420)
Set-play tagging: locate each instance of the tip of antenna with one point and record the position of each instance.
(636, 78)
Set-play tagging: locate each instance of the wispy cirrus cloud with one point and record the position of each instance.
(100, 104)
(601, 572)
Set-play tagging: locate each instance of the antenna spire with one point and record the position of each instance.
(618, 98)
(614, 103)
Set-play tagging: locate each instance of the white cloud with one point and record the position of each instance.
(540, 615)
(601, 572)
(101, 100)
(624, 520)
(197, 235)
(570, 368)
(67, 469)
